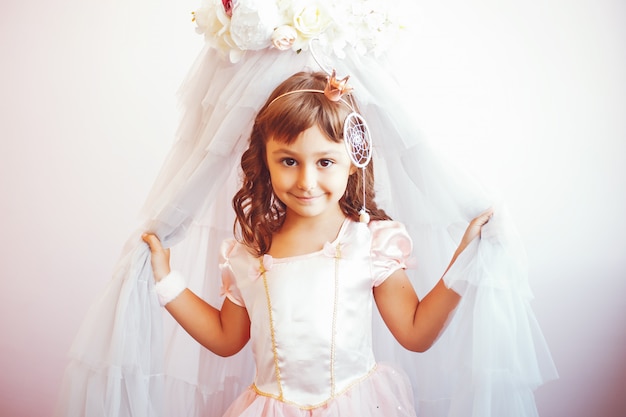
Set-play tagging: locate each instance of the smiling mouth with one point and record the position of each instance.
(306, 199)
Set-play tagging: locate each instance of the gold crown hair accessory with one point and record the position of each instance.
(335, 89)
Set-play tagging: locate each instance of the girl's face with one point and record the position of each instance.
(309, 175)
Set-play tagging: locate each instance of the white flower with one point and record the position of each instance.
(311, 20)
(213, 22)
(284, 37)
(253, 22)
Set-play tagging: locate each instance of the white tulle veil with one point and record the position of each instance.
(131, 359)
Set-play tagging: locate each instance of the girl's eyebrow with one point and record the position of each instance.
(287, 151)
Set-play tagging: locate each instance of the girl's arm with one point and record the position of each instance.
(417, 324)
(224, 332)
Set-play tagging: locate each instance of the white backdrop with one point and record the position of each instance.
(530, 96)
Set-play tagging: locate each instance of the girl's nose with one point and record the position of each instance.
(307, 179)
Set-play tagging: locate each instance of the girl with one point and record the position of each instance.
(300, 279)
(302, 276)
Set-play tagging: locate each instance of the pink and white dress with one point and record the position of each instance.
(311, 326)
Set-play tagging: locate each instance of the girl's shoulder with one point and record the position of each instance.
(384, 223)
(374, 230)
(386, 226)
(389, 236)
(232, 248)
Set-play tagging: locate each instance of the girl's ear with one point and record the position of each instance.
(353, 169)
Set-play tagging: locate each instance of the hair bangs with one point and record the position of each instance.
(291, 114)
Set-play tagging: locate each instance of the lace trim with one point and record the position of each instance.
(272, 331)
(321, 404)
(334, 326)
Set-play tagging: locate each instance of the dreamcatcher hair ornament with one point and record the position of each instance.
(356, 134)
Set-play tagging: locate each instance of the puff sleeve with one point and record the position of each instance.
(391, 249)
(229, 281)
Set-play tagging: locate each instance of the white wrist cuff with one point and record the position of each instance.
(170, 287)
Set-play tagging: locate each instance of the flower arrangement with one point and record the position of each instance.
(236, 26)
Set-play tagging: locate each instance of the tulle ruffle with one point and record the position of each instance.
(131, 359)
(385, 392)
(506, 356)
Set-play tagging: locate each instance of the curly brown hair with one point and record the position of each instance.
(259, 213)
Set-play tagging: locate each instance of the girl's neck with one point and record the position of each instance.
(305, 235)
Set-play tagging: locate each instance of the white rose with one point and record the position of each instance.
(284, 37)
(214, 24)
(252, 23)
(311, 20)
(210, 21)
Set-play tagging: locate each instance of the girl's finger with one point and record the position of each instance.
(484, 217)
(153, 242)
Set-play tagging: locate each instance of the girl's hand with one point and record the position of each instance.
(474, 228)
(160, 258)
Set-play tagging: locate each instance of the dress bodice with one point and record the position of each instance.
(311, 314)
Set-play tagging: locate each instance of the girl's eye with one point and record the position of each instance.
(325, 163)
(289, 162)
